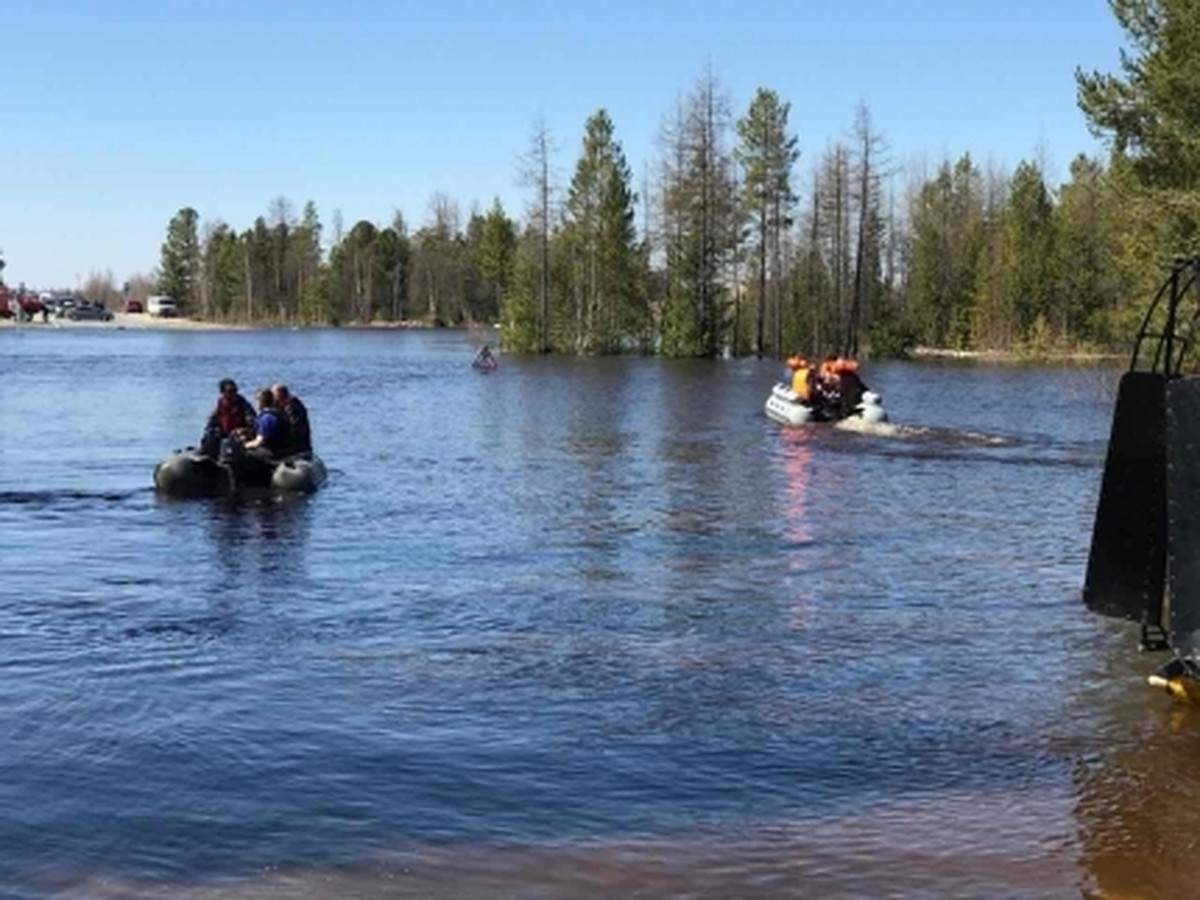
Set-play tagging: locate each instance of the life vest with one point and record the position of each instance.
(802, 383)
(299, 431)
(232, 413)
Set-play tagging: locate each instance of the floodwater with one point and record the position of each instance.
(573, 629)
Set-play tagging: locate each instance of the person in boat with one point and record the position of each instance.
(839, 387)
(296, 413)
(232, 417)
(827, 388)
(271, 440)
(850, 387)
(801, 378)
(485, 358)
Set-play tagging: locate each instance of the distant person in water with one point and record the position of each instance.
(296, 413)
(232, 417)
(485, 359)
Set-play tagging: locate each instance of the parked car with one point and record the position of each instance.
(133, 306)
(89, 311)
(60, 306)
(161, 306)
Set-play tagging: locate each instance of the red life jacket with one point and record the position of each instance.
(231, 413)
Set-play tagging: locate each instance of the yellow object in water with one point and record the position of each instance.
(1181, 687)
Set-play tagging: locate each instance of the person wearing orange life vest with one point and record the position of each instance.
(802, 380)
(827, 392)
(850, 387)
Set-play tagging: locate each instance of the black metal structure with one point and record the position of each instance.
(1144, 563)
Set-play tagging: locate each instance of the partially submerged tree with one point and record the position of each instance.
(767, 152)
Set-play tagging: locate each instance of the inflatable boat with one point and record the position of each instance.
(785, 407)
(190, 473)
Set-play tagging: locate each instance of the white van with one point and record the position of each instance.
(161, 306)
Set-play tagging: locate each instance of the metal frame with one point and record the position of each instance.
(1173, 343)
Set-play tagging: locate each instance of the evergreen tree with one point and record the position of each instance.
(520, 315)
(1028, 255)
(180, 265)
(944, 255)
(223, 272)
(699, 206)
(537, 173)
(767, 152)
(496, 256)
(439, 264)
(306, 259)
(1150, 114)
(600, 233)
(1086, 250)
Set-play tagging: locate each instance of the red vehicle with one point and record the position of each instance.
(5, 296)
(133, 306)
(31, 304)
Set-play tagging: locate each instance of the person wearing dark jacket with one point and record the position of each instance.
(296, 414)
(233, 416)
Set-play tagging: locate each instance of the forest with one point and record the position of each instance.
(729, 248)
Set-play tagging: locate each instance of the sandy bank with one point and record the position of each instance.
(123, 320)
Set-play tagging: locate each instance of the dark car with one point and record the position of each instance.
(82, 311)
(134, 306)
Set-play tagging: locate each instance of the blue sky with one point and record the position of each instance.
(113, 115)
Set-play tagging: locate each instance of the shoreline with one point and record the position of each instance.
(1010, 356)
(126, 321)
(144, 321)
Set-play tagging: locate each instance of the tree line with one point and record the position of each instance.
(726, 248)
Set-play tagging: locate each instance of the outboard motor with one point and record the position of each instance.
(1144, 563)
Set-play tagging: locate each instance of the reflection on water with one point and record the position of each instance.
(1137, 794)
(798, 462)
(264, 541)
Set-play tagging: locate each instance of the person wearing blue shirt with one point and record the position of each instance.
(271, 429)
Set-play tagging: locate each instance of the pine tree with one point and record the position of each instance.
(180, 265)
(496, 256)
(1150, 115)
(767, 153)
(699, 206)
(600, 233)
